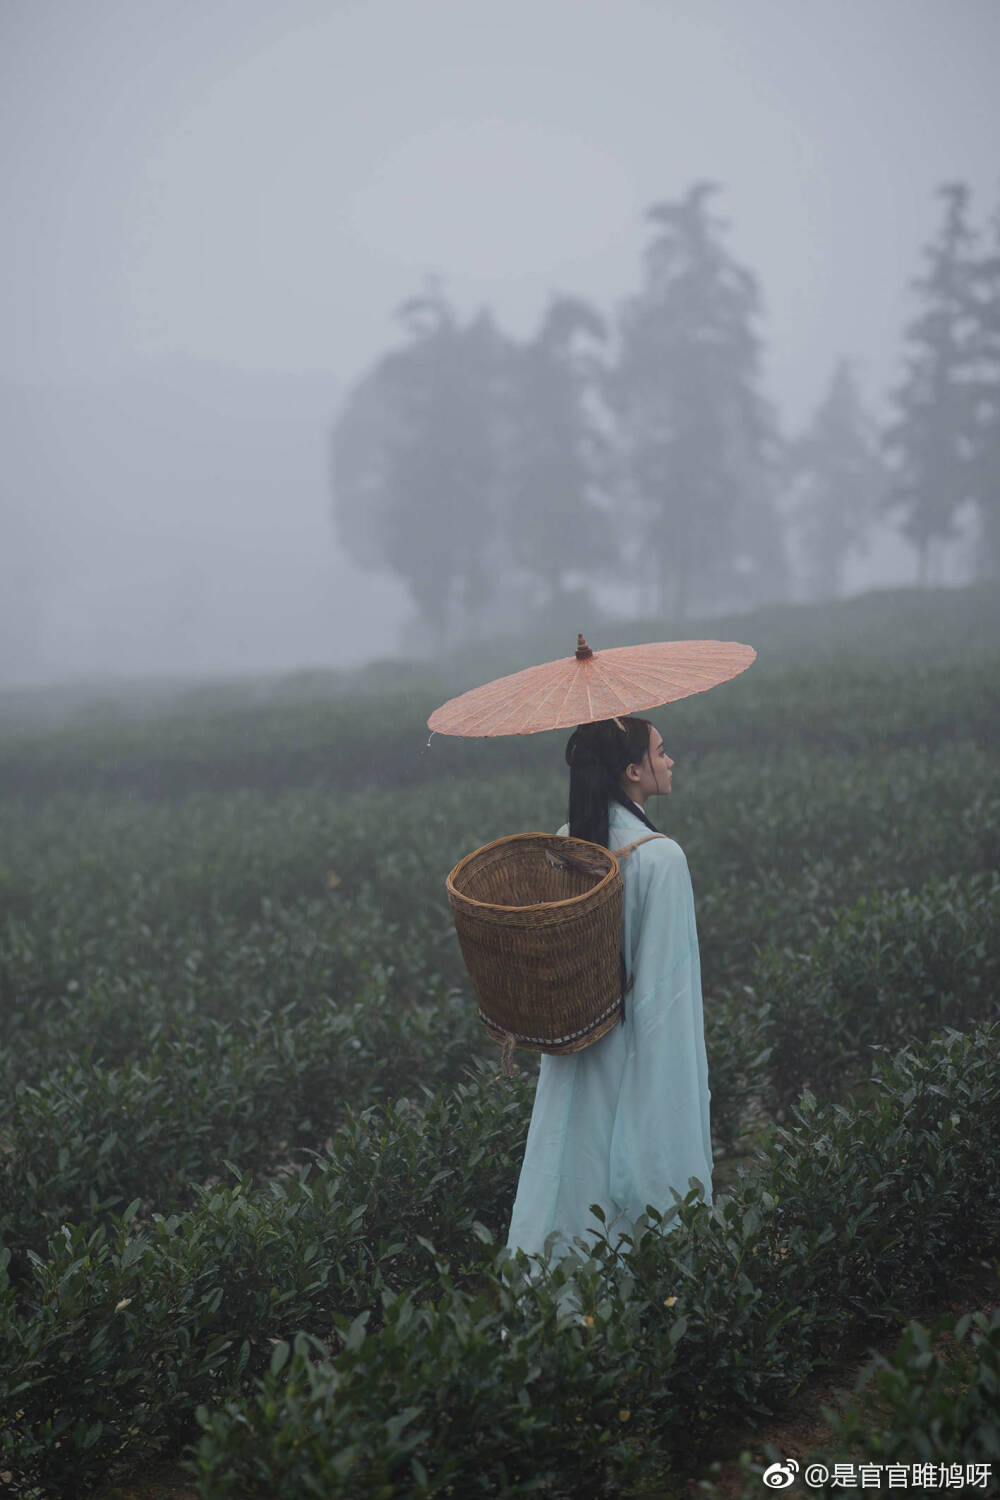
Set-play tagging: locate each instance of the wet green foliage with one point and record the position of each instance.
(850, 1213)
(931, 1400)
(255, 1159)
(895, 966)
(924, 1419)
(651, 1354)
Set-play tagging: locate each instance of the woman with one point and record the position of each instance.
(624, 1121)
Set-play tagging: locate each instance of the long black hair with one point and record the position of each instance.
(597, 756)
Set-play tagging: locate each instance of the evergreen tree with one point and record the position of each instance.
(930, 441)
(838, 483)
(698, 441)
(557, 454)
(416, 461)
(984, 390)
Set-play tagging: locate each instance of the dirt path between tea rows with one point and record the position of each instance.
(804, 1432)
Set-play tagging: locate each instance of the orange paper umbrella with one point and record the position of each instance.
(591, 685)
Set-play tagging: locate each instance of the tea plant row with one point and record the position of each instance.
(242, 977)
(87, 1138)
(219, 907)
(922, 1419)
(209, 1036)
(650, 1356)
(382, 741)
(399, 1350)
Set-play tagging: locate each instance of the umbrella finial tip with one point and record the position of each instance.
(582, 649)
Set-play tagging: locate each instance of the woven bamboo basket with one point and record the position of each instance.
(539, 920)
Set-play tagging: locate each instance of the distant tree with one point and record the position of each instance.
(698, 440)
(557, 453)
(838, 483)
(984, 391)
(930, 440)
(417, 462)
(364, 438)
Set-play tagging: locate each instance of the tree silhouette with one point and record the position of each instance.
(930, 442)
(557, 453)
(984, 394)
(698, 440)
(416, 462)
(838, 482)
(363, 439)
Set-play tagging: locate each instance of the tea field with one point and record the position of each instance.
(257, 1164)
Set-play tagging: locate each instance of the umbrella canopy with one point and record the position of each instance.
(591, 685)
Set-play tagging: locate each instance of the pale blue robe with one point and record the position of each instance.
(623, 1121)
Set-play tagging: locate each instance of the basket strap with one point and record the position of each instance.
(507, 1056)
(626, 849)
(622, 854)
(575, 862)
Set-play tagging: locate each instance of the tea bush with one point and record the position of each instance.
(124, 1329)
(860, 694)
(224, 939)
(931, 1405)
(922, 1406)
(212, 1008)
(853, 1212)
(649, 1353)
(121, 919)
(186, 1306)
(893, 966)
(808, 834)
(88, 1139)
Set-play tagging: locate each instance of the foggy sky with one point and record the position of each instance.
(212, 207)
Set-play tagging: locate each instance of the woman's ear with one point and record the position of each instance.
(632, 773)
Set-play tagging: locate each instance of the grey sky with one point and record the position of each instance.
(216, 186)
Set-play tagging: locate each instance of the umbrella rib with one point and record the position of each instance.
(527, 697)
(612, 683)
(624, 680)
(508, 705)
(550, 696)
(610, 687)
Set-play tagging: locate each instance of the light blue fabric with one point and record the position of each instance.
(623, 1121)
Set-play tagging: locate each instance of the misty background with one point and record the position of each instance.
(224, 221)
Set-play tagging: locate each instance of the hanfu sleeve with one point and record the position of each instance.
(661, 1136)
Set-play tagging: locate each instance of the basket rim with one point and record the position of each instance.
(510, 838)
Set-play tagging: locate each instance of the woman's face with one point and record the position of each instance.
(653, 776)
